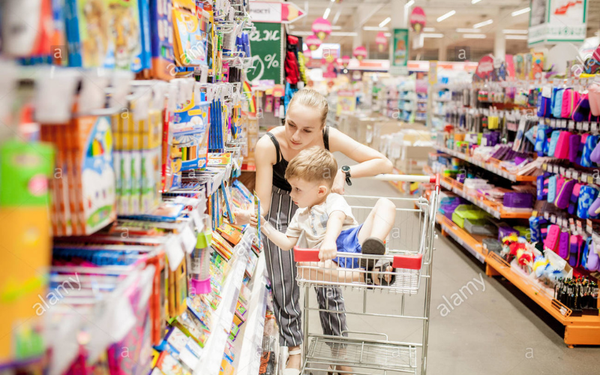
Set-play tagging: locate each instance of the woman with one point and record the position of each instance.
(304, 127)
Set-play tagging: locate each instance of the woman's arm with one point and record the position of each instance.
(370, 161)
(266, 157)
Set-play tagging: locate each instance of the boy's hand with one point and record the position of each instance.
(242, 217)
(327, 251)
(338, 183)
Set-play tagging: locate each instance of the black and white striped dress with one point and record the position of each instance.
(282, 269)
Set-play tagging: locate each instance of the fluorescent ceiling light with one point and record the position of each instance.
(474, 36)
(385, 22)
(467, 30)
(475, 1)
(337, 16)
(512, 31)
(522, 11)
(343, 33)
(375, 28)
(432, 35)
(336, 27)
(447, 15)
(409, 4)
(387, 34)
(429, 29)
(326, 14)
(482, 24)
(516, 37)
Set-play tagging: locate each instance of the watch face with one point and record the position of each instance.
(345, 168)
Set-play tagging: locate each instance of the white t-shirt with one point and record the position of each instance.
(313, 221)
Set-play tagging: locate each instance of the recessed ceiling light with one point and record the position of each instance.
(433, 35)
(475, 1)
(516, 37)
(409, 4)
(447, 15)
(326, 14)
(482, 24)
(474, 36)
(513, 31)
(519, 12)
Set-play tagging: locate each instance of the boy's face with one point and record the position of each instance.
(307, 194)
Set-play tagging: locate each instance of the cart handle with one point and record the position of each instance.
(412, 262)
(407, 178)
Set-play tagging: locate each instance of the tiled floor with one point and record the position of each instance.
(495, 331)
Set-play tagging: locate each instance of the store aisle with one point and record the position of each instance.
(490, 332)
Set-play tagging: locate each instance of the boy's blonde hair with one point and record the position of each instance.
(314, 164)
(311, 98)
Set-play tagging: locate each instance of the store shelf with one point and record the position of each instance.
(492, 166)
(494, 209)
(212, 355)
(248, 362)
(464, 238)
(579, 330)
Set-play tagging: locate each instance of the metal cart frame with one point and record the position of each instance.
(377, 355)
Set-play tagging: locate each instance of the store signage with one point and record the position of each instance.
(555, 21)
(400, 47)
(417, 19)
(433, 77)
(485, 67)
(274, 12)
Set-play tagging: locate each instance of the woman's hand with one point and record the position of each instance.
(338, 182)
(327, 251)
(242, 217)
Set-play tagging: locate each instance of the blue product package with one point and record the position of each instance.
(552, 181)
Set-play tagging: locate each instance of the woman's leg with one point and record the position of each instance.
(282, 273)
(380, 221)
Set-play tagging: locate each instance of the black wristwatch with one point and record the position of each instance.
(346, 170)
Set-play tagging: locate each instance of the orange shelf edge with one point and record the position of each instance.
(580, 330)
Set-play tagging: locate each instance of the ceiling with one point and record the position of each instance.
(346, 15)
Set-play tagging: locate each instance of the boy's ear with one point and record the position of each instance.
(323, 190)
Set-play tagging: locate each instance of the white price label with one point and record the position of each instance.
(578, 125)
(553, 123)
(174, 251)
(594, 126)
(188, 239)
(586, 126)
(563, 123)
(571, 124)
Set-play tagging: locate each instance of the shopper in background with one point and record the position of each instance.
(304, 128)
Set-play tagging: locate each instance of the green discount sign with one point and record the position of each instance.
(267, 53)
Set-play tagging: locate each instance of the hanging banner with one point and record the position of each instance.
(400, 47)
(555, 21)
(433, 78)
(262, 11)
(346, 101)
(485, 68)
(417, 19)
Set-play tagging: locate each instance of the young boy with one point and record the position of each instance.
(324, 220)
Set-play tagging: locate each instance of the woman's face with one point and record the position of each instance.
(302, 126)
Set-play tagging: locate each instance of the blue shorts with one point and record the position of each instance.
(347, 242)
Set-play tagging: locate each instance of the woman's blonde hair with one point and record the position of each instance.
(312, 98)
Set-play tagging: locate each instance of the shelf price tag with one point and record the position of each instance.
(553, 123)
(594, 127)
(571, 124)
(586, 126)
(563, 123)
(579, 126)
(588, 226)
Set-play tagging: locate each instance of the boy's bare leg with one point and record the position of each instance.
(380, 221)
(329, 271)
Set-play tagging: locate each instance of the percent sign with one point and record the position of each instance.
(270, 59)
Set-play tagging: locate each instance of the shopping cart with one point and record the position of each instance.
(409, 251)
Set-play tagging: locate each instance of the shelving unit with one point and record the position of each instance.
(496, 210)
(492, 166)
(212, 355)
(579, 330)
(248, 362)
